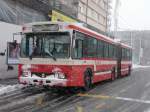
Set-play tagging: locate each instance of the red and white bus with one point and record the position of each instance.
(58, 54)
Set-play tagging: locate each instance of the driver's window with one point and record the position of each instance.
(78, 45)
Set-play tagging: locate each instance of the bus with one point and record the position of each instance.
(59, 54)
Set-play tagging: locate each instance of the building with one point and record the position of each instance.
(139, 40)
(20, 12)
(94, 13)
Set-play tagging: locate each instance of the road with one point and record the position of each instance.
(128, 94)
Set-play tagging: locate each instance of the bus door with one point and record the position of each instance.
(119, 58)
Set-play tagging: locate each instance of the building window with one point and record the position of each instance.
(95, 15)
(101, 19)
(92, 14)
(101, 3)
(96, 1)
(82, 8)
(89, 12)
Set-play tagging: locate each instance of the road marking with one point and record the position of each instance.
(79, 108)
(39, 101)
(101, 106)
(125, 89)
(115, 97)
(94, 96)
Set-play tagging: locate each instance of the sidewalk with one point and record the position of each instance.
(4, 74)
(9, 81)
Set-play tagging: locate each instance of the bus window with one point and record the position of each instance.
(90, 47)
(110, 51)
(106, 50)
(48, 45)
(23, 47)
(100, 51)
(78, 48)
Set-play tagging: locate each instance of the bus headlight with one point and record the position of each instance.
(60, 75)
(25, 74)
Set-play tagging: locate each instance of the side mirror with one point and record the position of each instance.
(3, 53)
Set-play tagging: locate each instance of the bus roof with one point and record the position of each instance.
(81, 28)
(91, 33)
(98, 35)
(126, 46)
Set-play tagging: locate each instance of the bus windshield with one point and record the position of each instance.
(46, 45)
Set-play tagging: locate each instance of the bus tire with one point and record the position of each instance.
(87, 81)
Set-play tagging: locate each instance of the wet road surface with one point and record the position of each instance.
(128, 94)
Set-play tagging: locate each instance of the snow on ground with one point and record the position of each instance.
(4, 74)
(6, 35)
(4, 89)
(139, 66)
(29, 99)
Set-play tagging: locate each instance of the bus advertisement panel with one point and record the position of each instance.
(13, 52)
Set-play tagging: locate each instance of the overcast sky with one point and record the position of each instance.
(134, 15)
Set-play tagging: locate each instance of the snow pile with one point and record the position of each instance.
(9, 88)
(139, 66)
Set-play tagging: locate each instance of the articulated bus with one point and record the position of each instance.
(58, 54)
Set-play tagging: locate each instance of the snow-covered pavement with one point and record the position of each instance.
(4, 89)
(4, 74)
(135, 66)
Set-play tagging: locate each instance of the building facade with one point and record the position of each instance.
(94, 13)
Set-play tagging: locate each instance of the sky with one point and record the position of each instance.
(133, 15)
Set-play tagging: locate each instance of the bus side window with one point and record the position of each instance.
(78, 50)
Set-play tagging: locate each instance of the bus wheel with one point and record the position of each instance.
(87, 81)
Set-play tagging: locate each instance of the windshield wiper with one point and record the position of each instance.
(50, 54)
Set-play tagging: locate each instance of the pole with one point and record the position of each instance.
(140, 51)
(87, 3)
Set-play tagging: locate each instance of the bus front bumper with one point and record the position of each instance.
(38, 81)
